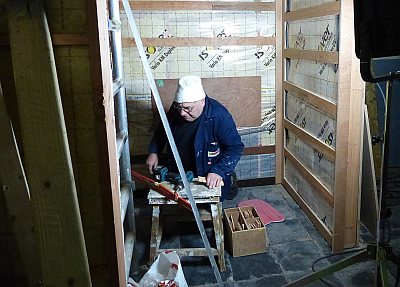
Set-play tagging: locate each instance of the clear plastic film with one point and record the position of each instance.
(206, 62)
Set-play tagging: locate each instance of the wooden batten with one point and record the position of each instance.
(201, 5)
(257, 150)
(309, 55)
(326, 233)
(326, 9)
(312, 98)
(104, 113)
(47, 161)
(310, 139)
(311, 178)
(201, 41)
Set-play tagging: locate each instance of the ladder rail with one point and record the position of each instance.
(122, 129)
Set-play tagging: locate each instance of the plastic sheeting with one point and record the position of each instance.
(206, 62)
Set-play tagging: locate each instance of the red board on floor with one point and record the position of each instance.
(267, 213)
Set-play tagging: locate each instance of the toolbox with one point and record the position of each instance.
(245, 233)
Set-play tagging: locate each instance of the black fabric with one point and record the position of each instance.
(184, 135)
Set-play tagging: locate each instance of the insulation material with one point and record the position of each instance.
(318, 34)
(315, 34)
(322, 167)
(321, 208)
(204, 61)
(256, 166)
(309, 118)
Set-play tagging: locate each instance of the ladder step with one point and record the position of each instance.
(114, 25)
(129, 245)
(117, 85)
(121, 139)
(125, 190)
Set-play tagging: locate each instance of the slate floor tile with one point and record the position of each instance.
(286, 231)
(257, 265)
(296, 256)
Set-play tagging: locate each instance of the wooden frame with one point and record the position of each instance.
(344, 199)
(109, 165)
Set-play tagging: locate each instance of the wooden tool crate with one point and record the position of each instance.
(245, 233)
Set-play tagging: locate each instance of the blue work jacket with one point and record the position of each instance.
(218, 146)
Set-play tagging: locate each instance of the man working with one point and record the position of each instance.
(205, 134)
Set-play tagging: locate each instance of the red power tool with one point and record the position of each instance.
(170, 194)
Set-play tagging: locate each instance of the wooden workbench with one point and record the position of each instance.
(206, 199)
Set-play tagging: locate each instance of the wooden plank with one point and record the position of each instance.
(280, 99)
(256, 181)
(16, 194)
(312, 98)
(326, 233)
(47, 159)
(349, 131)
(326, 9)
(57, 39)
(309, 55)
(369, 195)
(310, 178)
(201, 5)
(239, 95)
(107, 149)
(311, 140)
(69, 39)
(256, 150)
(200, 41)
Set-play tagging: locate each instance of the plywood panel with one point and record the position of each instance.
(240, 95)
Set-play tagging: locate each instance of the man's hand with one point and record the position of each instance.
(213, 180)
(152, 162)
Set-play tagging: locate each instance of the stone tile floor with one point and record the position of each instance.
(294, 245)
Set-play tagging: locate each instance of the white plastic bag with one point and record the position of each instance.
(165, 271)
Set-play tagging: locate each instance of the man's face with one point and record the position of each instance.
(190, 111)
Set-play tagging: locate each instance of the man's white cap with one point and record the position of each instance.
(189, 90)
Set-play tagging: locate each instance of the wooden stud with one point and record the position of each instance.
(104, 113)
(349, 131)
(16, 194)
(279, 94)
(47, 159)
